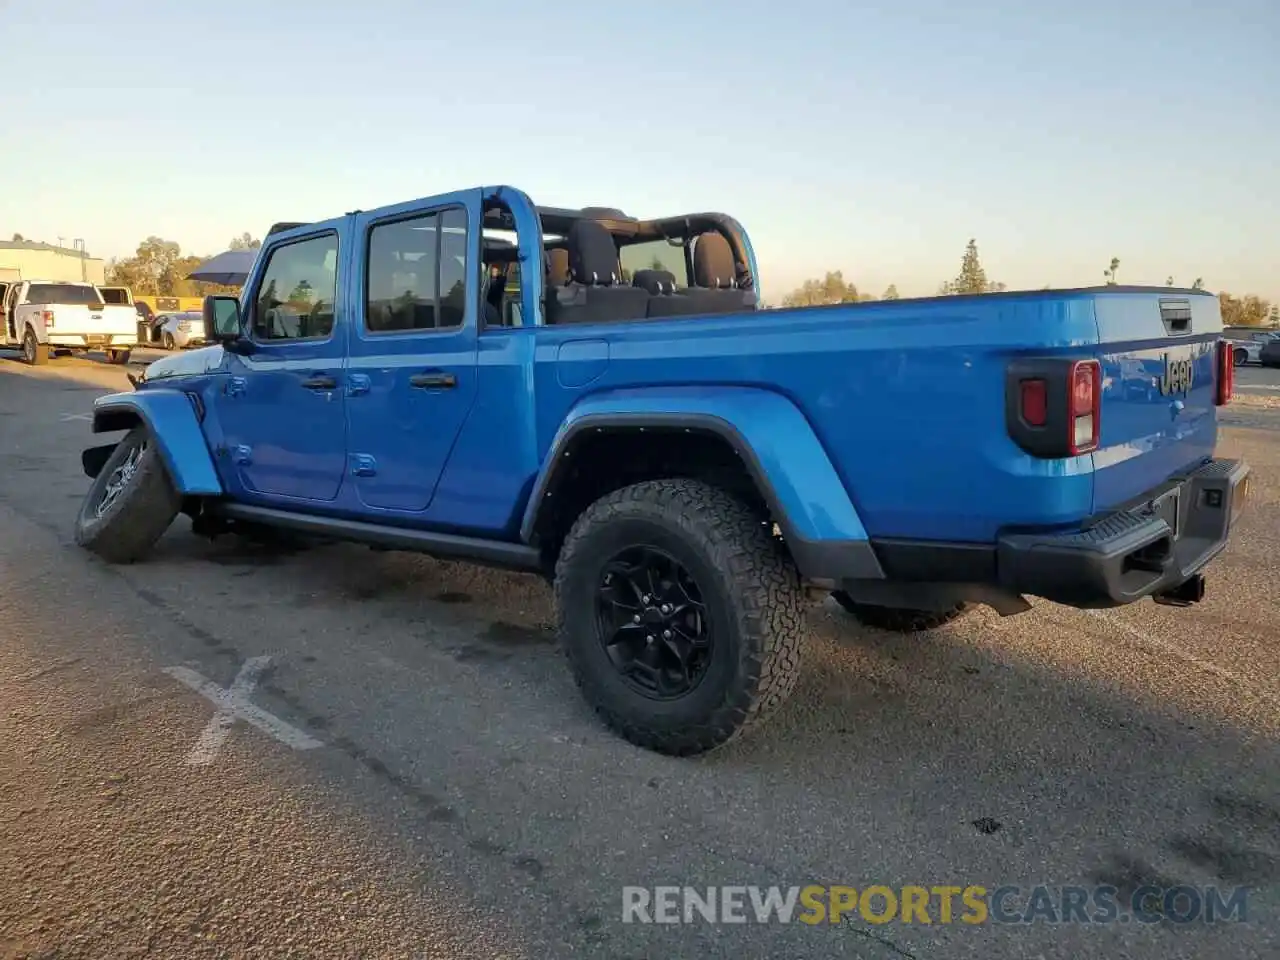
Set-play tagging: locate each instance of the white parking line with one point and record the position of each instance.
(67, 417)
(1147, 640)
(233, 704)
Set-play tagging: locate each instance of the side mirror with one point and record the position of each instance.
(221, 319)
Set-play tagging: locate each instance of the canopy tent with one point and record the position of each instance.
(230, 269)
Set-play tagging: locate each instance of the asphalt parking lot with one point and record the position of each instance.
(1252, 379)
(423, 780)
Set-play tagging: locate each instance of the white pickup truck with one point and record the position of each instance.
(47, 316)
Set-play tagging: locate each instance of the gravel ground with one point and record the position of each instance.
(461, 801)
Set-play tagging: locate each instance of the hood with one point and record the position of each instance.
(188, 363)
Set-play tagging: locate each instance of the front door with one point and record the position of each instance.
(412, 344)
(281, 407)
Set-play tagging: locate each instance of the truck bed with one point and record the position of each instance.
(908, 396)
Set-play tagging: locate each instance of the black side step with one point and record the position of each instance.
(519, 557)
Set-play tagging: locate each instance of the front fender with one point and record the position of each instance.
(786, 460)
(171, 416)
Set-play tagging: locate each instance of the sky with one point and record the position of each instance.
(874, 139)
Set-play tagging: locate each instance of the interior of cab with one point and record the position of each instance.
(601, 266)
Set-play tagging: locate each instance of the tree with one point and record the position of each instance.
(891, 293)
(972, 277)
(1199, 284)
(158, 268)
(1111, 274)
(1247, 311)
(18, 238)
(830, 289)
(244, 242)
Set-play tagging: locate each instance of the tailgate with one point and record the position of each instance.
(77, 320)
(1159, 378)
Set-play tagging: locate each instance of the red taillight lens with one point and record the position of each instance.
(46, 317)
(1086, 406)
(1034, 402)
(1226, 374)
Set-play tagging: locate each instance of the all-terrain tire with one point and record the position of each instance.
(897, 619)
(140, 513)
(752, 598)
(34, 352)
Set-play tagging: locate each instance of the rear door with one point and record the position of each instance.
(412, 346)
(1159, 376)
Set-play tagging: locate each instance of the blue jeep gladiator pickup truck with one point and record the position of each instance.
(602, 400)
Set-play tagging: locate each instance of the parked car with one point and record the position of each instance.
(1247, 346)
(1269, 355)
(685, 468)
(178, 331)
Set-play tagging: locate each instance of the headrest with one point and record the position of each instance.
(557, 266)
(593, 259)
(713, 261)
(655, 281)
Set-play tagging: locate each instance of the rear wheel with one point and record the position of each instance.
(131, 503)
(33, 351)
(1241, 357)
(897, 619)
(681, 618)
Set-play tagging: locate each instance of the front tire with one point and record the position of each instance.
(131, 503)
(897, 619)
(34, 353)
(1241, 357)
(681, 618)
(167, 342)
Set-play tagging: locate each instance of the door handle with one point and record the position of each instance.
(320, 382)
(433, 380)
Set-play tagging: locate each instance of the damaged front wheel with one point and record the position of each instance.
(131, 503)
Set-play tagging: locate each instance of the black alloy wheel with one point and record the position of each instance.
(653, 624)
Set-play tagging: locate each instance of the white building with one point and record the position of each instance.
(27, 260)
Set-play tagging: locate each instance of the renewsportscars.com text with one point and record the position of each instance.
(943, 904)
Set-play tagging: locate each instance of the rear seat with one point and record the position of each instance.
(715, 288)
(715, 277)
(594, 293)
(664, 301)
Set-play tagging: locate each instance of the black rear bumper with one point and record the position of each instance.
(1149, 547)
(1153, 545)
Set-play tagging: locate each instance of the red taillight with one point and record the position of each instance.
(1085, 382)
(46, 317)
(1053, 405)
(1226, 374)
(1034, 402)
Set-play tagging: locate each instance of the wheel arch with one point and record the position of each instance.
(173, 418)
(761, 434)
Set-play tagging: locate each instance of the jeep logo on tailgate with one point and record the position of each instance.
(1178, 375)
